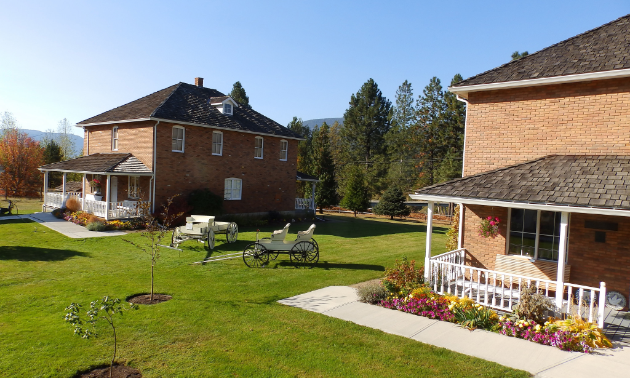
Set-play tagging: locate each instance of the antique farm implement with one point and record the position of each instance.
(204, 229)
(303, 249)
(8, 210)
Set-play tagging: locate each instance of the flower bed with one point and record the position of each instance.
(83, 219)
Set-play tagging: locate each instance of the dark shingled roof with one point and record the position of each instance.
(593, 181)
(605, 48)
(190, 103)
(304, 177)
(100, 163)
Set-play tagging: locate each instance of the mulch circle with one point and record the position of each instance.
(119, 371)
(145, 299)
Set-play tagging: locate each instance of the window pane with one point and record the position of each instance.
(545, 242)
(545, 254)
(516, 220)
(529, 221)
(547, 222)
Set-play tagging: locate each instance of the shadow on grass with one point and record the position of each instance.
(328, 266)
(37, 254)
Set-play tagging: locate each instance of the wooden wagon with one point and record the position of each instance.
(304, 249)
(204, 229)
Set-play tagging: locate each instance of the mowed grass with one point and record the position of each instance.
(223, 319)
(25, 205)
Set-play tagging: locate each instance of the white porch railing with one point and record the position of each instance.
(126, 209)
(304, 204)
(98, 208)
(58, 200)
(499, 290)
(117, 210)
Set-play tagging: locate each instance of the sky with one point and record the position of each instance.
(76, 59)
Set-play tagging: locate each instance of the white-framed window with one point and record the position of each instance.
(134, 187)
(284, 150)
(534, 234)
(227, 109)
(178, 139)
(217, 143)
(233, 189)
(258, 149)
(115, 138)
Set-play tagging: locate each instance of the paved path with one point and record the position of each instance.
(543, 361)
(66, 228)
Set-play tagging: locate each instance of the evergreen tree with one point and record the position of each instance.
(53, 154)
(399, 145)
(365, 124)
(516, 55)
(454, 121)
(324, 169)
(392, 203)
(305, 161)
(356, 192)
(239, 95)
(428, 133)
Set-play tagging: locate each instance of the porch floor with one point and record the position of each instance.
(617, 325)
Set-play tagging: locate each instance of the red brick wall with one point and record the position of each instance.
(482, 251)
(267, 184)
(136, 138)
(506, 127)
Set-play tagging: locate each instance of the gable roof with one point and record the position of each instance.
(563, 180)
(191, 104)
(101, 163)
(605, 48)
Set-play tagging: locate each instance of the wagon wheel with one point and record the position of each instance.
(273, 255)
(255, 255)
(210, 238)
(304, 252)
(177, 238)
(231, 234)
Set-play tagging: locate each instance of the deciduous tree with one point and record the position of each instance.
(19, 157)
(64, 139)
(305, 160)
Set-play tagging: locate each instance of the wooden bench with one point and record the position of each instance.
(539, 269)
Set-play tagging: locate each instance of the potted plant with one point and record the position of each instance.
(489, 227)
(95, 184)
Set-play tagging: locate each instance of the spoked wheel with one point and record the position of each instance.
(231, 233)
(255, 255)
(177, 238)
(305, 252)
(210, 238)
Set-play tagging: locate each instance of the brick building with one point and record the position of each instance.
(179, 139)
(547, 151)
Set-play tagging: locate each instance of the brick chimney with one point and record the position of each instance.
(199, 81)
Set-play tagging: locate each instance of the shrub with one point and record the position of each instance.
(58, 213)
(372, 293)
(474, 316)
(586, 332)
(533, 305)
(73, 205)
(403, 278)
(91, 218)
(392, 203)
(204, 202)
(96, 226)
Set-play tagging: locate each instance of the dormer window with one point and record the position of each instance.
(227, 109)
(224, 104)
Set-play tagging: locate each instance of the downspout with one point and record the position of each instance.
(465, 128)
(154, 164)
(460, 241)
(88, 141)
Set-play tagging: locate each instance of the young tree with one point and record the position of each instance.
(239, 95)
(452, 234)
(305, 160)
(356, 193)
(324, 169)
(392, 203)
(64, 139)
(20, 156)
(7, 122)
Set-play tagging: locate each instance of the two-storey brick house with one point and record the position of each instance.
(547, 151)
(179, 139)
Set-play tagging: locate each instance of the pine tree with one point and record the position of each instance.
(356, 193)
(516, 55)
(304, 161)
(454, 121)
(52, 154)
(400, 148)
(239, 95)
(392, 203)
(428, 132)
(324, 169)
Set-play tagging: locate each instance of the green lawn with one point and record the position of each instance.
(223, 319)
(25, 205)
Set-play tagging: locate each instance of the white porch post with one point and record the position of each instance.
(107, 190)
(427, 253)
(45, 190)
(83, 192)
(313, 196)
(461, 225)
(63, 189)
(562, 255)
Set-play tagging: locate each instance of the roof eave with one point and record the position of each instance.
(521, 205)
(98, 172)
(464, 90)
(113, 122)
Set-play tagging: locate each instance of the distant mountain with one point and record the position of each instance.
(329, 121)
(39, 135)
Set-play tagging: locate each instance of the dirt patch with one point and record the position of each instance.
(361, 284)
(118, 371)
(145, 299)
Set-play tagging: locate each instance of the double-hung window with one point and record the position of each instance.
(217, 143)
(284, 150)
(232, 189)
(258, 149)
(534, 233)
(227, 109)
(134, 187)
(178, 139)
(115, 138)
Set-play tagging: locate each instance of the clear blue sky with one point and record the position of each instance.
(63, 59)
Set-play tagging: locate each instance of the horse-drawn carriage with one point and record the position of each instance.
(204, 229)
(304, 249)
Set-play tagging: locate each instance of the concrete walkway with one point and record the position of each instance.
(66, 228)
(542, 361)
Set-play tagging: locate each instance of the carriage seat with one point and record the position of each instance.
(279, 235)
(306, 235)
(200, 219)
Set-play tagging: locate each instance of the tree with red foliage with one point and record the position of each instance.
(19, 158)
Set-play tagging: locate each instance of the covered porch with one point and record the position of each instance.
(306, 203)
(113, 186)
